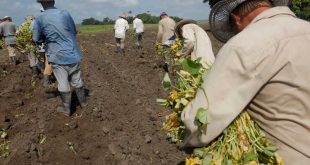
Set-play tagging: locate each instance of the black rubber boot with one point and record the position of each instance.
(123, 51)
(118, 50)
(35, 72)
(66, 100)
(46, 81)
(166, 67)
(80, 93)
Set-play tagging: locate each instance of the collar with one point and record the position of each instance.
(51, 8)
(275, 11)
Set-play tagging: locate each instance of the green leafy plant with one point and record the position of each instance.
(24, 39)
(4, 144)
(301, 8)
(242, 142)
(1, 43)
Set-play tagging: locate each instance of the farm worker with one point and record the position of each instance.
(33, 60)
(139, 29)
(8, 31)
(120, 28)
(263, 69)
(197, 43)
(47, 73)
(165, 29)
(165, 36)
(57, 29)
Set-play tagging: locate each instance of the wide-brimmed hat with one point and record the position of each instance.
(6, 18)
(29, 17)
(123, 16)
(219, 19)
(180, 24)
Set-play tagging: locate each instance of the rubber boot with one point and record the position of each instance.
(12, 60)
(166, 67)
(35, 72)
(41, 65)
(123, 51)
(66, 100)
(46, 81)
(118, 50)
(15, 60)
(80, 93)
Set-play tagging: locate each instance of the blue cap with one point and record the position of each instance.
(163, 14)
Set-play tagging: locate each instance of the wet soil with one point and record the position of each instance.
(122, 124)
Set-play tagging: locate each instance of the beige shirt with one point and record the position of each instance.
(265, 69)
(197, 43)
(165, 29)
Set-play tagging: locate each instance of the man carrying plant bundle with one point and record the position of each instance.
(139, 29)
(8, 31)
(57, 29)
(197, 43)
(263, 69)
(120, 28)
(26, 46)
(165, 36)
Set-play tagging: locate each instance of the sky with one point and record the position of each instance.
(99, 9)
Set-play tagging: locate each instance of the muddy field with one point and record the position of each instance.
(121, 126)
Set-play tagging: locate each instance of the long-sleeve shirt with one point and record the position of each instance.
(138, 25)
(197, 43)
(165, 29)
(57, 29)
(8, 31)
(265, 70)
(120, 28)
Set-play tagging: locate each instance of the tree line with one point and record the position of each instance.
(145, 17)
(301, 8)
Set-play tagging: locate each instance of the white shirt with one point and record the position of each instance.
(198, 44)
(138, 25)
(120, 27)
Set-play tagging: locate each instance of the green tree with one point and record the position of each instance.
(176, 19)
(90, 21)
(107, 21)
(150, 19)
(301, 8)
(130, 19)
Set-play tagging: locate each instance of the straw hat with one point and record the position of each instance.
(179, 25)
(5, 18)
(123, 16)
(219, 19)
(30, 17)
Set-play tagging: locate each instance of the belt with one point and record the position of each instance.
(9, 36)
